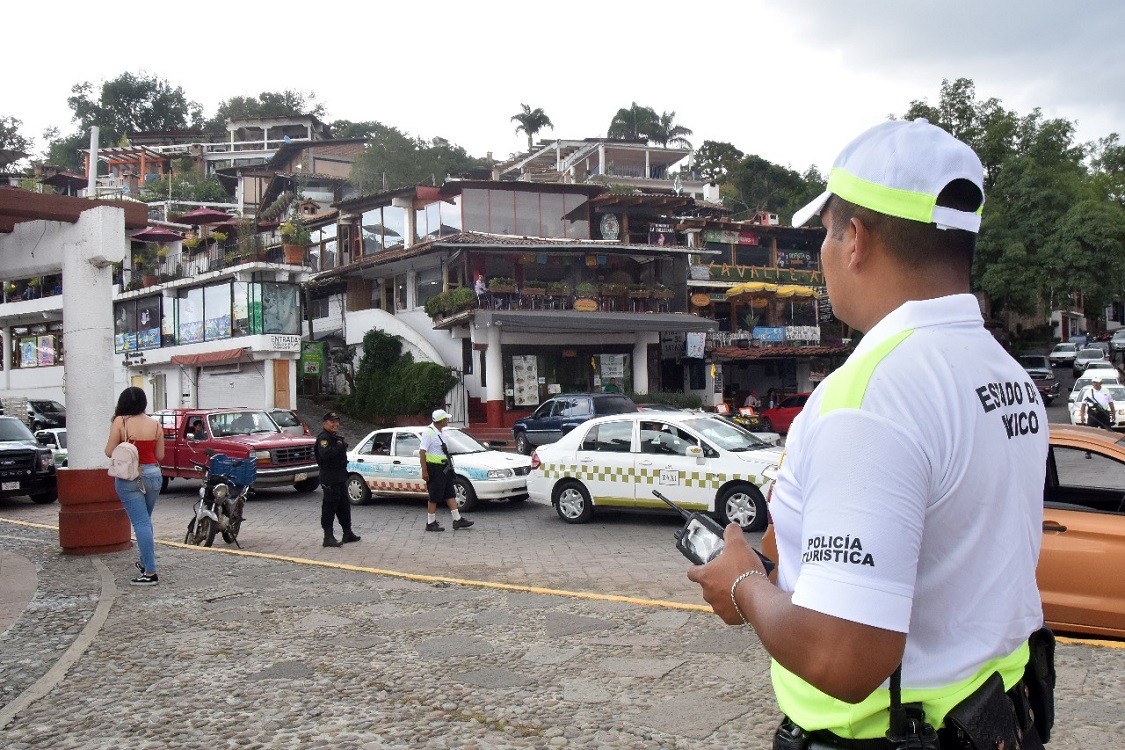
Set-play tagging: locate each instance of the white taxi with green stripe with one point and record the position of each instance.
(698, 461)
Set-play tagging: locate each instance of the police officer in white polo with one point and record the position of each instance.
(1097, 406)
(907, 538)
(437, 473)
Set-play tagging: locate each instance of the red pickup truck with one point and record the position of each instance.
(239, 433)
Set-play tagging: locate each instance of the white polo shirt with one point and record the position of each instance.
(431, 444)
(1099, 396)
(910, 499)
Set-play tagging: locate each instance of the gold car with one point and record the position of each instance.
(1083, 558)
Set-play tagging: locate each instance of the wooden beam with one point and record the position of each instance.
(23, 205)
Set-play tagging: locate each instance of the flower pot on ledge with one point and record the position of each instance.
(294, 254)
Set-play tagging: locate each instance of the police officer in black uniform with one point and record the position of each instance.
(331, 456)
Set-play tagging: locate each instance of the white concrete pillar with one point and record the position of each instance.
(640, 365)
(494, 374)
(269, 400)
(6, 357)
(601, 159)
(95, 242)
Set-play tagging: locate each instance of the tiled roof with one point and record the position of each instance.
(738, 354)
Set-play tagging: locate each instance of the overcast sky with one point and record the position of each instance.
(791, 81)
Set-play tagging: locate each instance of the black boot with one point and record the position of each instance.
(349, 536)
(330, 540)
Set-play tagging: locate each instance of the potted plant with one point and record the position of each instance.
(613, 289)
(11, 290)
(638, 291)
(462, 298)
(558, 289)
(660, 291)
(534, 288)
(501, 285)
(295, 237)
(219, 237)
(586, 290)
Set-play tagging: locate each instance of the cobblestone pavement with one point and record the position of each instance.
(291, 645)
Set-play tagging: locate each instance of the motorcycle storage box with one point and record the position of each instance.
(240, 470)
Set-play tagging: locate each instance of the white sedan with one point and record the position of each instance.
(1116, 392)
(1109, 377)
(700, 462)
(386, 463)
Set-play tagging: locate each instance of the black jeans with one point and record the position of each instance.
(335, 503)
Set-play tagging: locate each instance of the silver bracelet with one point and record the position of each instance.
(734, 586)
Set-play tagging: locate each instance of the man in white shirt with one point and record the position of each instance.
(882, 588)
(1097, 406)
(438, 474)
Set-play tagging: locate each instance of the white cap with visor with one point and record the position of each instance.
(899, 168)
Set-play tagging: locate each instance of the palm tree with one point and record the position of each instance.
(634, 122)
(531, 121)
(664, 133)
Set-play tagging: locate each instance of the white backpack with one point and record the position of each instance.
(124, 460)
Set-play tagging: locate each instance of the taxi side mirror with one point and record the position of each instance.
(694, 451)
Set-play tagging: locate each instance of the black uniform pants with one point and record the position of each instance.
(439, 485)
(335, 504)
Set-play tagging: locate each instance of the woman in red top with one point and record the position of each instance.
(139, 495)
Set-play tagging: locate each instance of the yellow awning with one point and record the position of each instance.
(795, 290)
(749, 287)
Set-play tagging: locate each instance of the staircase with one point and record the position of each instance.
(497, 437)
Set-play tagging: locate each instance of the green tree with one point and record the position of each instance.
(759, 185)
(1107, 163)
(389, 383)
(633, 123)
(185, 184)
(531, 121)
(393, 159)
(14, 145)
(665, 132)
(717, 159)
(287, 103)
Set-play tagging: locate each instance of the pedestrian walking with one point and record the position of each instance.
(132, 425)
(331, 455)
(438, 474)
(879, 635)
(1097, 405)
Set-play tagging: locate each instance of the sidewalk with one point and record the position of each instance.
(252, 651)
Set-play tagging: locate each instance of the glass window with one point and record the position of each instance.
(190, 316)
(577, 216)
(371, 226)
(281, 308)
(124, 326)
(527, 214)
(137, 324)
(450, 213)
(614, 437)
(394, 227)
(545, 409)
(665, 439)
(240, 309)
(379, 444)
(501, 212)
(148, 322)
(400, 292)
(427, 284)
(474, 207)
(217, 312)
(406, 443)
(751, 255)
(551, 210)
(576, 407)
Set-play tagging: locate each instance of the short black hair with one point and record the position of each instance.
(912, 242)
(131, 402)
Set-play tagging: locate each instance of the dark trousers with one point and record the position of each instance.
(439, 486)
(335, 504)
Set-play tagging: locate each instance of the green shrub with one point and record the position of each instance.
(390, 384)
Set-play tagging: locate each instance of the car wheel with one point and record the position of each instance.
(523, 445)
(358, 491)
(743, 504)
(44, 498)
(307, 485)
(572, 503)
(465, 494)
(164, 484)
(767, 425)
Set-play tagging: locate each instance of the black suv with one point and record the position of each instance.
(26, 467)
(561, 414)
(1039, 368)
(42, 414)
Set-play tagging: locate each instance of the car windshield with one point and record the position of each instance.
(1091, 353)
(1034, 361)
(47, 407)
(460, 443)
(247, 422)
(285, 419)
(13, 429)
(1065, 348)
(726, 434)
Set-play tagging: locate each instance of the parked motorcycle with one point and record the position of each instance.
(226, 483)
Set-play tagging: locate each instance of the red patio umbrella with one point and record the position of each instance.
(202, 215)
(156, 234)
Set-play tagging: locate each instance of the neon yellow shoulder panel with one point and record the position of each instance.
(847, 387)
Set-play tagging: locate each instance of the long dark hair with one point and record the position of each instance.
(131, 402)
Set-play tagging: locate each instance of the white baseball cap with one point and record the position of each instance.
(899, 168)
(1097, 378)
(439, 415)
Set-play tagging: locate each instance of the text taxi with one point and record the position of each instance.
(386, 463)
(697, 461)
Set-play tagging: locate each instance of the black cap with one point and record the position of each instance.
(331, 417)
